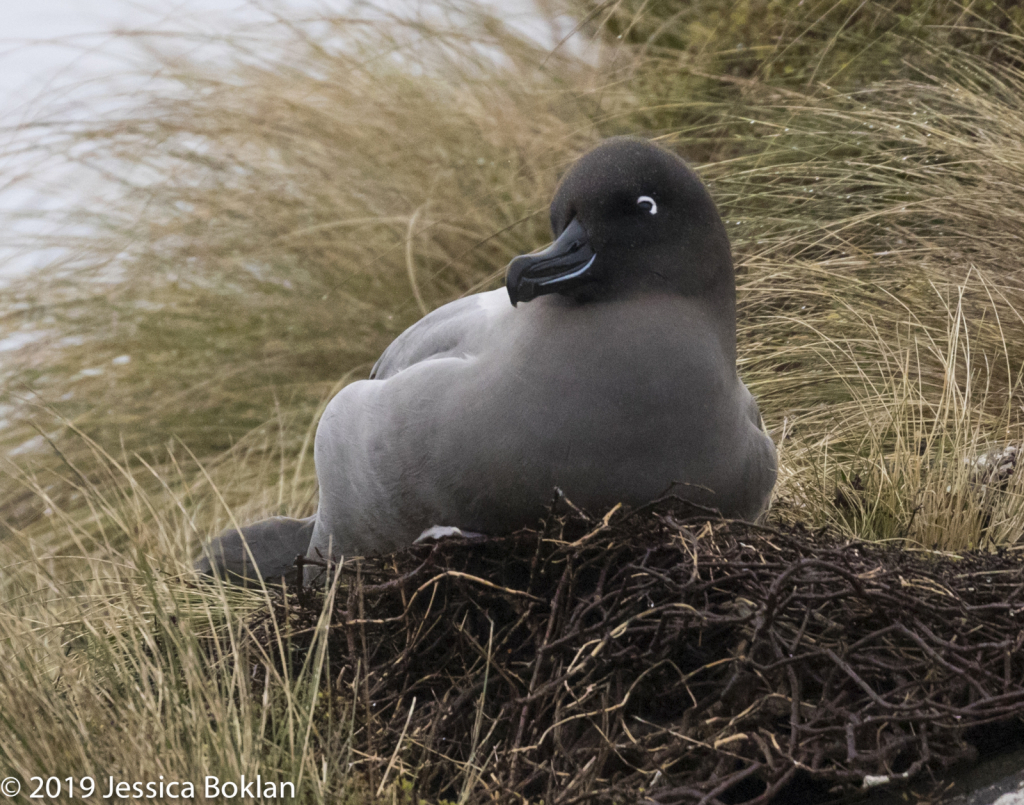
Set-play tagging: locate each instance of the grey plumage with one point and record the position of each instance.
(274, 543)
(611, 375)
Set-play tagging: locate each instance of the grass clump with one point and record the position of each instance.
(118, 664)
(881, 296)
(795, 44)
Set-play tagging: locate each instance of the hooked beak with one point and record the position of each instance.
(561, 266)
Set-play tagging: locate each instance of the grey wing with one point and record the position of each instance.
(454, 329)
(752, 411)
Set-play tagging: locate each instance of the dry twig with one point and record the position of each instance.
(666, 656)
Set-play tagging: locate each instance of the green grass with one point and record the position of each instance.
(272, 226)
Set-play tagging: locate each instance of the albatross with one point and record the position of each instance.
(605, 368)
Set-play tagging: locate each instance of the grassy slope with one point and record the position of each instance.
(278, 223)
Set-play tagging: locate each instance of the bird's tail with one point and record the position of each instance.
(265, 550)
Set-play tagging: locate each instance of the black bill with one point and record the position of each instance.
(560, 267)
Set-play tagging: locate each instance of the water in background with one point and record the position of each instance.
(78, 60)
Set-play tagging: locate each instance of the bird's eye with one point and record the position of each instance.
(647, 204)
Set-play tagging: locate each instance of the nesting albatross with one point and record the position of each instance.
(606, 368)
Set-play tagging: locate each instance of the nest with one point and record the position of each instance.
(662, 655)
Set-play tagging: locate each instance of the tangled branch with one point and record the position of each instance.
(662, 656)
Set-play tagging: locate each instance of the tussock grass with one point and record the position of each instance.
(274, 220)
(111, 670)
(839, 43)
(882, 298)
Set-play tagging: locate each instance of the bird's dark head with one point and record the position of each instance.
(629, 215)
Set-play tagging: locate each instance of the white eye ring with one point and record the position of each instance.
(648, 200)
